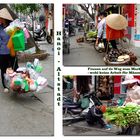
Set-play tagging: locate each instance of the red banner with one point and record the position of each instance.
(129, 13)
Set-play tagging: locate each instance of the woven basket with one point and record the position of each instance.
(125, 62)
(30, 57)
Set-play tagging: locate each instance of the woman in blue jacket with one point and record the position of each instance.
(6, 60)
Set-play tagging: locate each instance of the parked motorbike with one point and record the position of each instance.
(76, 111)
(41, 35)
(72, 31)
(66, 41)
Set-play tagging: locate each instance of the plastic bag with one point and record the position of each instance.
(100, 45)
(17, 23)
(84, 103)
(41, 80)
(42, 83)
(26, 33)
(37, 65)
(21, 69)
(33, 86)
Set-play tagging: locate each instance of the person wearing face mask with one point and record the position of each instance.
(6, 60)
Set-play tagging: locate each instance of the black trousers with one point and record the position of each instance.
(7, 61)
(113, 44)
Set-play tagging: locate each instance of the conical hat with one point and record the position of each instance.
(116, 21)
(5, 14)
(129, 79)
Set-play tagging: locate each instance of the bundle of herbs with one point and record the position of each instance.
(123, 116)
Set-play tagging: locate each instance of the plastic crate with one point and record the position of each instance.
(19, 41)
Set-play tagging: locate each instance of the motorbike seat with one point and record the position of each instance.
(76, 110)
(37, 31)
(71, 106)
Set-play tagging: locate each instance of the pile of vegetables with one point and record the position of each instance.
(123, 116)
(91, 34)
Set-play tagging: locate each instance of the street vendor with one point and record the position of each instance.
(110, 28)
(133, 89)
(6, 60)
(133, 95)
(102, 33)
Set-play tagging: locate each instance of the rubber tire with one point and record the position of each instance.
(66, 123)
(49, 39)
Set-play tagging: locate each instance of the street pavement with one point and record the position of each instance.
(84, 54)
(81, 128)
(26, 114)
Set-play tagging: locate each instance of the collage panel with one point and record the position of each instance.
(27, 69)
(101, 34)
(101, 105)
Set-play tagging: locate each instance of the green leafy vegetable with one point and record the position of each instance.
(123, 115)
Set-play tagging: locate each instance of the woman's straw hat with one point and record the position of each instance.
(116, 21)
(5, 14)
(129, 79)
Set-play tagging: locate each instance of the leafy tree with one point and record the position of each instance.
(28, 9)
(89, 9)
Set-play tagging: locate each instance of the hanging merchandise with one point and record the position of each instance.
(10, 44)
(19, 41)
(37, 65)
(27, 35)
(14, 25)
(26, 79)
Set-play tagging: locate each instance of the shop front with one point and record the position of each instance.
(136, 41)
(132, 13)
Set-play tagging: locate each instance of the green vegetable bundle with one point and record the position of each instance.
(123, 116)
(91, 34)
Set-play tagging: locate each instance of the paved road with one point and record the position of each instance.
(25, 115)
(82, 129)
(84, 54)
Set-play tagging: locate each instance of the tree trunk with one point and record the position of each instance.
(86, 9)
